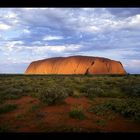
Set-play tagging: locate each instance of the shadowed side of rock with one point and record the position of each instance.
(76, 65)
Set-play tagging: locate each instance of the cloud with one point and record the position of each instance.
(4, 26)
(26, 31)
(49, 37)
(36, 43)
(10, 15)
(134, 21)
(12, 46)
(124, 12)
(28, 34)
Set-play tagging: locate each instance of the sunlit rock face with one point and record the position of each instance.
(76, 65)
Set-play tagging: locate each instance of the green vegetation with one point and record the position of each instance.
(101, 109)
(34, 107)
(129, 108)
(52, 95)
(76, 94)
(124, 90)
(4, 128)
(101, 122)
(40, 86)
(77, 113)
(20, 116)
(7, 108)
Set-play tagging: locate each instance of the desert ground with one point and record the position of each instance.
(69, 103)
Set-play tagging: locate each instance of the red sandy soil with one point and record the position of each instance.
(55, 118)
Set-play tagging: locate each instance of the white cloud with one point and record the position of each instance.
(48, 37)
(26, 31)
(134, 21)
(4, 26)
(18, 46)
(95, 28)
(55, 48)
(36, 43)
(12, 46)
(91, 29)
(29, 8)
(10, 15)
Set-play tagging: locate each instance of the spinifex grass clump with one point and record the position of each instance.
(94, 92)
(5, 128)
(7, 108)
(131, 89)
(129, 108)
(77, 113)
(100, 109)
(52, 95)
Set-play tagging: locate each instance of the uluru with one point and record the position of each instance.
(76, 65)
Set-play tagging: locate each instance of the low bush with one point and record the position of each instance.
(129, 108)
(69, 91)
(7, 108)
(132, 90)
(52, 95)
(112, 93)
(94, 92)
(101, 109)
(77, 113)
(4, 128)
(76, 94)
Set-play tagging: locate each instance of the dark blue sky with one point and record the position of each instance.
(28, 34)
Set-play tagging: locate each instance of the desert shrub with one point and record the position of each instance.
(77, 113)
(37, 89)
(112, 93)
(71, 85)
(84, 87)
(52, 95)
(15, 90)
(76, 94)
(69, 91)
(132, 90)
(2, 99)
(4, 128)
(8, 107)
(15, 86)
(11, 93)
(101, 122)
(94, 92)
(129, 108)
(34, 94)
(100, 109)
(27, 89)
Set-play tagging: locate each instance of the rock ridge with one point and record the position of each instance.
(76, 65)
